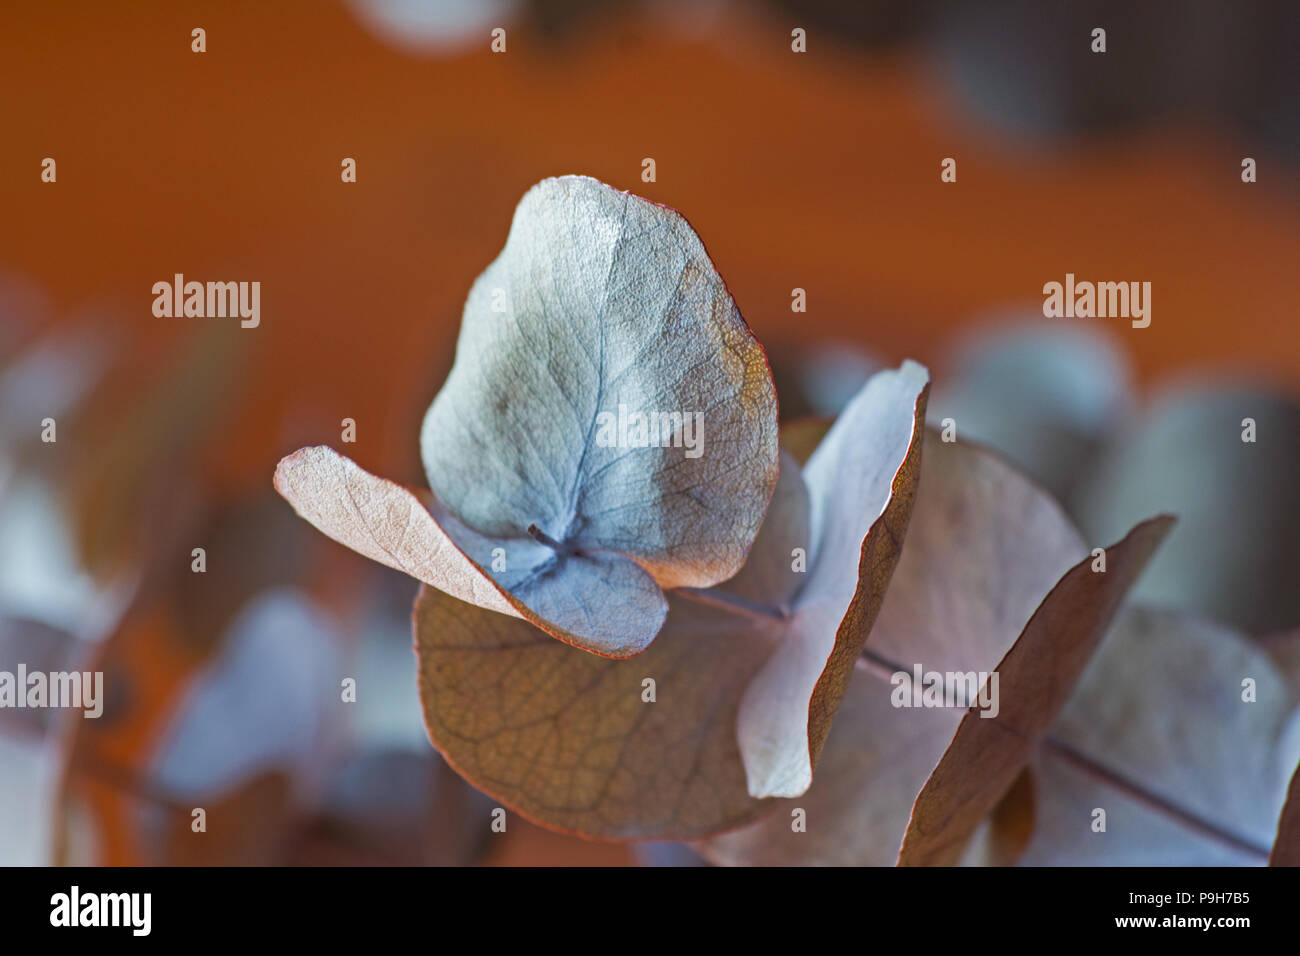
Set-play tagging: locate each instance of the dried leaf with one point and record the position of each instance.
(984, 547)
(862, 484)
(1160, 736)
(1036, 678)
(567, 739)
(744, 691)
(601, 307)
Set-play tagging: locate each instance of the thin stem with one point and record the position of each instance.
(537, 534)
(1205, 828)
(733, 603)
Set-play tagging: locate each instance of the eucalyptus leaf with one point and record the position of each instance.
(608, 430)
(1162, 734)
(994, 580)
(744, 679)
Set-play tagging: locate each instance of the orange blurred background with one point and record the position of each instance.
(818, 171)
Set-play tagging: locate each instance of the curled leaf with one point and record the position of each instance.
(732, 700)
(862, 484)
(383, 521)
(608, 430)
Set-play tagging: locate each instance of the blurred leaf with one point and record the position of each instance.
(41, 576)
(400, 808)
(829, 374)
(250, 546)
(265, 702)
(29, 745)
(438, 28)
(1044, 397)
(1235, 554)
(40, 648)
(875, 24)
(244, 729)
(655, 853)
(744, 690)
(1030, 67)
(133, 490)
(28, 782)
(51, 377)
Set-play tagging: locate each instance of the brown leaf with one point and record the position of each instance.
(1037, 676)
(984, 547)
(566, 739)
(744, 691)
